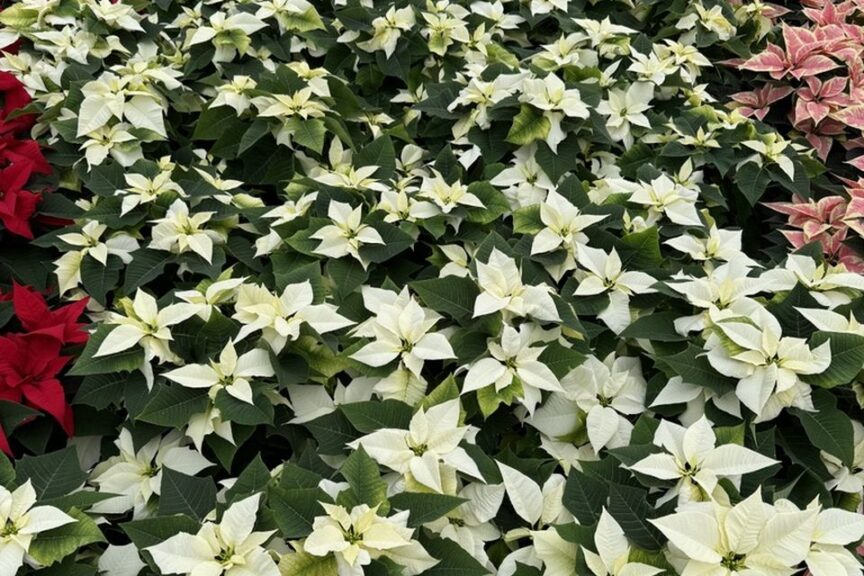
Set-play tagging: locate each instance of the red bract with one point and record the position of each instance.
(15, 96)
(16, 204)
(29, 364)
(26, 152)
(37, 318)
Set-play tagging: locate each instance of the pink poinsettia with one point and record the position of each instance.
(758, 102)
(818, 99)
(801, 58)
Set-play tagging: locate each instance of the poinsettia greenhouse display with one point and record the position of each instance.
(433, 287)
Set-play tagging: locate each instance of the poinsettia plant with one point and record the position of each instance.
(426, 288)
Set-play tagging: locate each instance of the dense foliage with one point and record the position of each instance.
(442, 288)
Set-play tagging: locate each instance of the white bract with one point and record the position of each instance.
(767, 365)
(514, 361)
(625, 108)
(663, 196)
(401, 329)
(603, 275)
(502, 290)
(90, 243)
(607, 392)
(231, 373)
(428, 454)
(179, 232)
(279, 317)
(358, 536)
(229, 547)
(613, 552)
(135, 476)
(692, 458)
(21, 521)
(346, 234)
(551, 95)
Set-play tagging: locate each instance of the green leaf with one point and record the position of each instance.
(53, 545)
(657, 326)
(451, 295)
(630, 508)
(173, 406)
(53, 474)
(7, 472)
(302, 563)
(828, 428)
(295, 510)
(100, 390)
(752, 180)
(252, 480)
(253, 134)
(584, 496)
(529, 125)
(367, 417)
(560, 359)
(847, 359)
(125, 361)
(424, 507)
(332, 432)
(379, 152)
(152, 531)
(214, 122)
(146, 265)
(182, 494)
(309, 133)
(235, 410)
(363, 476)
(494, 203)
(453, 559)
(694, 368)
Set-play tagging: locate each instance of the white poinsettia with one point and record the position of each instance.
(676, 391)
(135, 476)
(208, 296)
(21, 521)
(771, 147)
(692, 458)
(358, 536)
(109, 97)
(471, 523)
(229, 548)
(236, 93)
(89, 242)
(607, 392)
(727, 285)
(524, 181)
(231, 373)
(388, 29)
(564, 229)
(768, 366)
(845, 478)
(830, 321)
(831, 286)
(428, 453)
(604, 35)
(665, 197)
(751, 537)
(342, 172)
(443, 196)
(287, 212)
(715, 244)
(180, 232)
(144, 324)
(613, 552)
(121, 560)
(115, 141)
(502, 290)
(402, 330)
(115, 14)
(603, 275)
(479, 95)
(143, 190)
(228, 34)
(835, 530)
(346, 234)
(625, 108)
(557, 102)
(279, 317)
(515, 360)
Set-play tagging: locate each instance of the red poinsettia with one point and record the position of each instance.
(14, 97)
(16, 204)
(26, 152)
(29, 364)
(37, 318)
